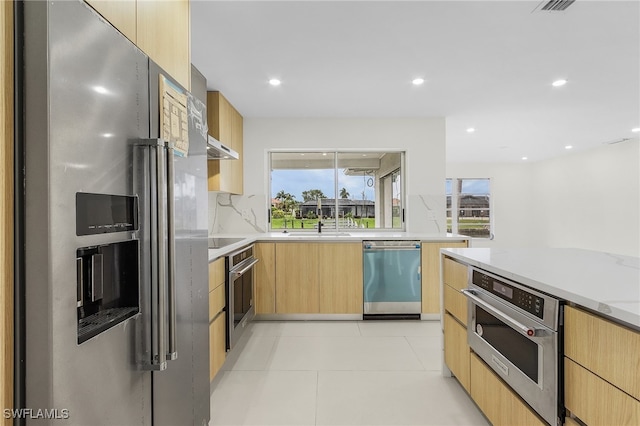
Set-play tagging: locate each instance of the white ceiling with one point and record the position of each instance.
(487, 65)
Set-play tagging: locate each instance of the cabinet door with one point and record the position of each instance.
(340, 278)
(608, 349)
(297, 278)
(497, 401)
(216, 273)
(595, 401)
(163, 33)
(237, 139)
(217, 345)
(225, 124)
(120, 14)
(265, 271)
(455, 303)
(431, 274)
(456, 350)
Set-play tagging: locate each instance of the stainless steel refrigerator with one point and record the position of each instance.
(116, 293)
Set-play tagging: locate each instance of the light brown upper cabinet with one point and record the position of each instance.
(226, 125)
(163, 33)
(161, 29)
(120, 14)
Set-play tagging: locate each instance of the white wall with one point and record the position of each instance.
(423, 140)
(591, 199)
(511, 202)
(588, 200)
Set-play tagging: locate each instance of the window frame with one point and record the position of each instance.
(455, 209)
(336, 184)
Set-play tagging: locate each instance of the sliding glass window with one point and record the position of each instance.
(342, 190)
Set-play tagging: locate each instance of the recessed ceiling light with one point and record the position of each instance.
(275, 82)
(471, 130)
(568, 147)
(100, 89)
(418, 81)
(559, 83)
(635, 129)
(324, 153)
(524, 158)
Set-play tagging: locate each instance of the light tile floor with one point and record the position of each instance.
(348, 373)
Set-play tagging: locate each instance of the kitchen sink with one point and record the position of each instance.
(321, 234)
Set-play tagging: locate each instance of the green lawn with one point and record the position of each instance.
(312, 223)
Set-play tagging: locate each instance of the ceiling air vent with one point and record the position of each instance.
(555, 5)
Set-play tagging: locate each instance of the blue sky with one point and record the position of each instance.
(471, 186)
(296, 181)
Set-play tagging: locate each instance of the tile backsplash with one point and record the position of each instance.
(247, 214)
(236, 214)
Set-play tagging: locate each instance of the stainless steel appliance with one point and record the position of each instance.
(517, 332)
(392, 283)
(217, 151)
(240, 278)
(116, 232)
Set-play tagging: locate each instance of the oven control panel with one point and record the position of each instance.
(514, 295)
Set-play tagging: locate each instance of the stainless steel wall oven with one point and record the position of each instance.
(517, 331)
(240, 279)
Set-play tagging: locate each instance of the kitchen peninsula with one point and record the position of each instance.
(600, 349)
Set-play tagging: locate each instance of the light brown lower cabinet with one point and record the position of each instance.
(455, 303)
(430, 262)
(595, 401)
(340, 278)
(456, 350)
(312, 278)
(265, 274)
(500, 404)
(217, 324)
(217, 344)
(297, 289)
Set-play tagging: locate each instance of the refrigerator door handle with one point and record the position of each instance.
(150, 181)
(161, 182)
(172, 352)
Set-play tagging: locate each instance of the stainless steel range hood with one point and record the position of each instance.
(217, 151)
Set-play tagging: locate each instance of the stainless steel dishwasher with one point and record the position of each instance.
(392, 284)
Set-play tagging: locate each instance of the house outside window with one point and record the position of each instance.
(355, 190)
(469, 207)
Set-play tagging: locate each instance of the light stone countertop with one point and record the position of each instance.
(327, 236)
(602, 282)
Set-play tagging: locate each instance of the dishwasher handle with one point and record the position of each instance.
(401, 245)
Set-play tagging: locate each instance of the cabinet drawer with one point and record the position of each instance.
(498, 402)
(217, 301)
(217, 345)
(455, 303)
(456, 350)
(455, 274)
(595, 401)
(607, 349)
(216, 273)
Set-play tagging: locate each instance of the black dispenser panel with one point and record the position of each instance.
(103, 213)
(107, 286)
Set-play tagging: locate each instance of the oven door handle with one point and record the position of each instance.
(245, 269)
(523, 329)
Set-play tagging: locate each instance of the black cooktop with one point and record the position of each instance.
(216, 243)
